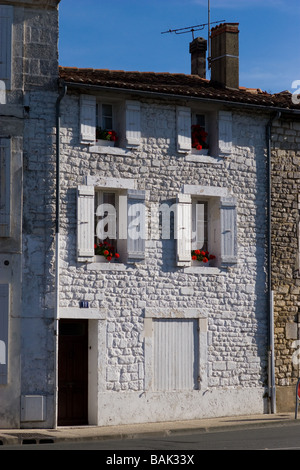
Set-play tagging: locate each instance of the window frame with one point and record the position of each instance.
(131, 251)
(222, 225)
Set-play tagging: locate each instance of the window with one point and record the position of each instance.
(206, 224)
(106, 121)
(105, 116)
(111, 212)
(200, 225)
(108, 241)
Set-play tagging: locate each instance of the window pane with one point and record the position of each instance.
(200, 228)
(107, 120)
(109, 217)
(200, 120)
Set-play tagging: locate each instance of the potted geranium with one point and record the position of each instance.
(104, 251)
(202, 256)
(199, 139)
(105, 137)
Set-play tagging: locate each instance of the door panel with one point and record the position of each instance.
(73, 372)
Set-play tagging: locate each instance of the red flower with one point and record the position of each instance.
(194, 257)
(205, 260)
(197, 252)
(117, 255)
(108, 258)
(106, 252)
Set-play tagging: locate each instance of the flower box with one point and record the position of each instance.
(103, 259)
(200, 152)
(105, 143)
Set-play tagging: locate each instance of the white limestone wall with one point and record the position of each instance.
(233, 302)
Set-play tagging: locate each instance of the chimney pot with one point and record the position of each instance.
(198, 48)
(224, 58)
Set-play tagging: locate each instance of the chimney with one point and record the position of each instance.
(224, 58)
(198, 48)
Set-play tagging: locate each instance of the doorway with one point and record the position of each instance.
(73, 372)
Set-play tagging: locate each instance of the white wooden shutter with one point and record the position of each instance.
(133, 123)
(4, 315)
(183, 229)
(85, 223)
(5, 187)
(228, 231)
(225, 132)
(136, 224)
(6, 21)
(87, 118)
(184, 129)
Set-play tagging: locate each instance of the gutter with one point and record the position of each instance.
(154, 94)
(57, 248)
(271, 355)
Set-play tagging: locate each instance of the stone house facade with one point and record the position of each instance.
(151, 334)
(285, 147)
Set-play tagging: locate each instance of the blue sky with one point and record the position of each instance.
(126, 35)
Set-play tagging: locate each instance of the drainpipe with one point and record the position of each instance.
(57, 247)
(271, 355)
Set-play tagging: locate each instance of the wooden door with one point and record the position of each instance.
(73, 372)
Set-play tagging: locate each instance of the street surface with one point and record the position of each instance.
(280, 437)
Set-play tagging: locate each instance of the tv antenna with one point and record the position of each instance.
(190, 29)
(197, 27)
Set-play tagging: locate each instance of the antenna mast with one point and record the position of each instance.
(208, 39)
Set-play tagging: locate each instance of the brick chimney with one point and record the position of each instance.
(225, 55)
(198, 48)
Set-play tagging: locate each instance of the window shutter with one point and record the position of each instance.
(4, 313)
(133, 123)
(85, 223)
(87, 118)
(228, 231)
(225, 132)
(136, 224)
(183, 129)
(6, 21)
(183, 229)
(5, 187)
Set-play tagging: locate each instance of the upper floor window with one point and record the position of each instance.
(204, 132)
(114, 123)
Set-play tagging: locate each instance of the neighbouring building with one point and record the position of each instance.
(114, 185)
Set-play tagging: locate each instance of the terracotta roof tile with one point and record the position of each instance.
(173, 84)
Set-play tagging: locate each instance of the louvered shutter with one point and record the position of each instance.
(136, 224)
(228, 231)
(6, 21)
(175, 354)
(4, 314)
(183, 129)
(85, 223)
(225, 132)
(133, 123)
(87, 118)
(5, 187)
(183, 229)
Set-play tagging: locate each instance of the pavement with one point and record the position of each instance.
(131, 431)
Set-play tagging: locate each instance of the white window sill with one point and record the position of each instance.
(203, 270)
(105, 266)
(108, 149)
(198, 157)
